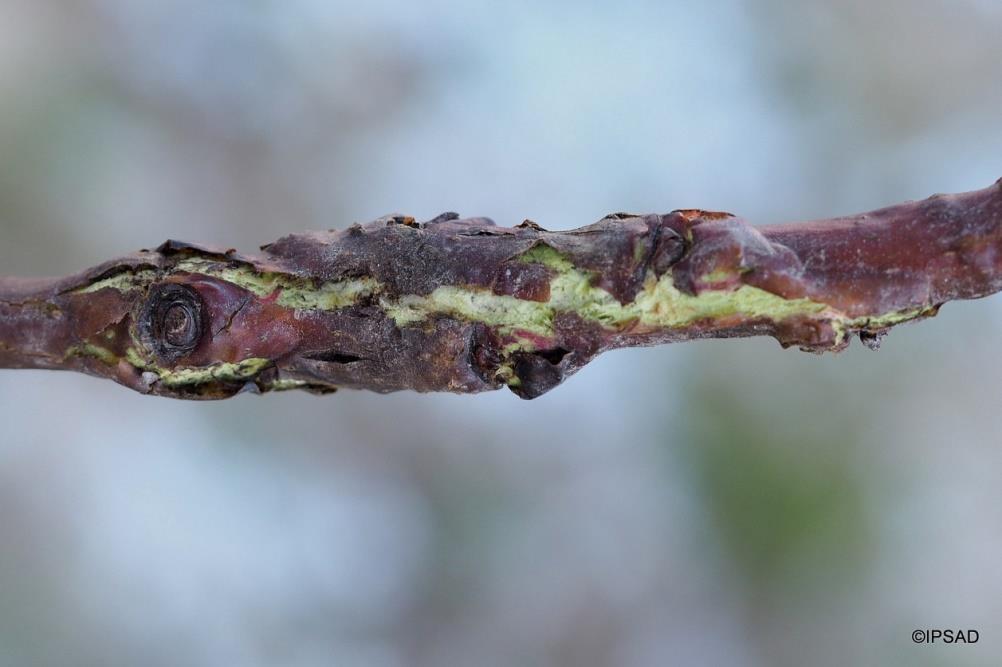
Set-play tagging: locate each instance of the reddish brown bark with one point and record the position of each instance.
(192, 322)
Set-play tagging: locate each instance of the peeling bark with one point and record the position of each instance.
(462, 305)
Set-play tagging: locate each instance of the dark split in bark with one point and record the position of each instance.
(462, 305)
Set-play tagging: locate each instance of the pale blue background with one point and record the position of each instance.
(724, 503)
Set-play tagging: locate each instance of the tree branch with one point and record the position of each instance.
(462, 305)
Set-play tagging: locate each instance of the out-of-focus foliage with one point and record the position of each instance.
(724, 503)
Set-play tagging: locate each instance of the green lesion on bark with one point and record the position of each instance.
(179, 376)
(292, 292)
(659, 304)
(242, 370)
(464, 306)
(471, 304)
(102, 354)
(126, 281)
(888, 320)
(572, 291)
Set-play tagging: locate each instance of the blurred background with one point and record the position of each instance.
(719, 502)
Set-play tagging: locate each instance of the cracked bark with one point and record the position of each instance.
(462, 305)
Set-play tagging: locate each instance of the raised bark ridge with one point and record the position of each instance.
(462, 305)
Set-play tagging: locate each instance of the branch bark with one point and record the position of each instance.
(462, 305)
